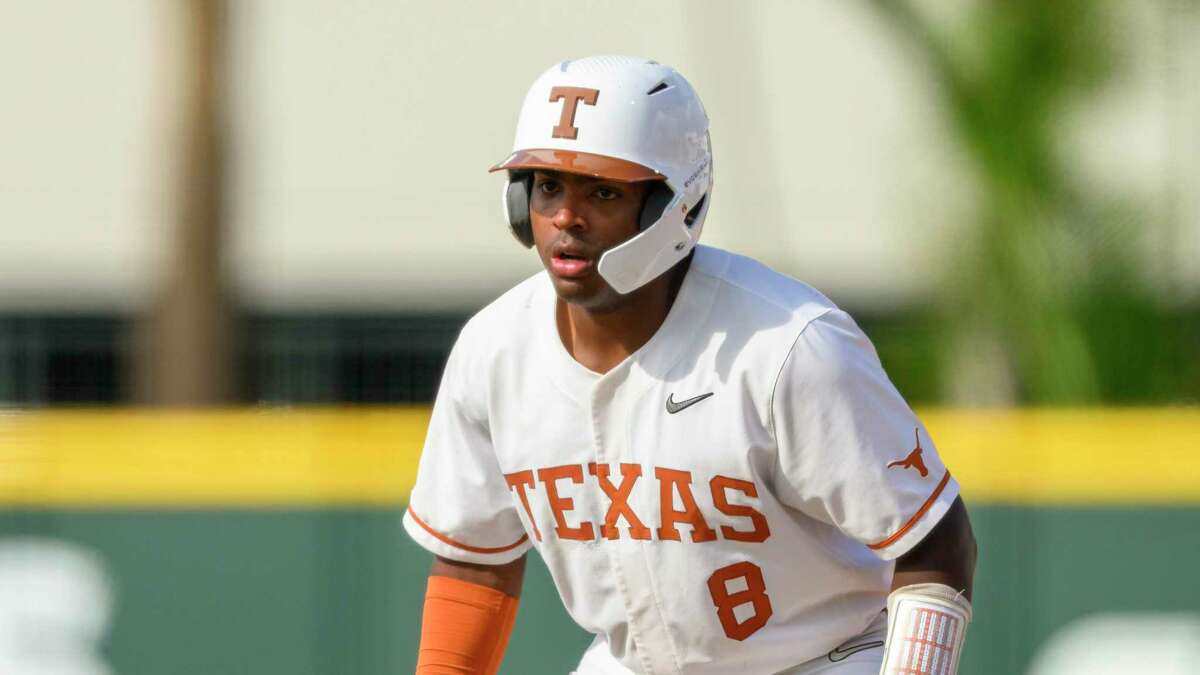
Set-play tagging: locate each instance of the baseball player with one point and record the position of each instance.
(707, 454)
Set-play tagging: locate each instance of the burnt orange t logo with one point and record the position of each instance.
(570, 96)
(913, 461)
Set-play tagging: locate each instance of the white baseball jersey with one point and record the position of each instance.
(728, 499)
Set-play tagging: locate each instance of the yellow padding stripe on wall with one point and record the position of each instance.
(1090, 456)
(223, 458)
(368, 456)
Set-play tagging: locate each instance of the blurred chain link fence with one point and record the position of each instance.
(50, 360)
(47, 360)
(324, 358)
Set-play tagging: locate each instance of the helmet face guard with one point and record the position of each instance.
(623, 119)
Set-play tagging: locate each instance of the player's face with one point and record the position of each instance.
(575, 220)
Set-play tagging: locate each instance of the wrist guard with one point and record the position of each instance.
(927, 624)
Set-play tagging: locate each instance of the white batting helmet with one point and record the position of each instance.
(624, 119)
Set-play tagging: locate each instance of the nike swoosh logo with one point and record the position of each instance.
(673, 407)
(843, 653)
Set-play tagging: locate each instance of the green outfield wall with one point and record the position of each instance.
(268, 542)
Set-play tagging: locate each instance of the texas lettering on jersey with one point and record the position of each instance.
(673, 486)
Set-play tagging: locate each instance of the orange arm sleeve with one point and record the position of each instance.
(464, 628)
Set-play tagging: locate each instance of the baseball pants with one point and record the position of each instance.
(860, 655)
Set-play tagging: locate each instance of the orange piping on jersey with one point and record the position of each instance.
(916, 517)
(473, 549)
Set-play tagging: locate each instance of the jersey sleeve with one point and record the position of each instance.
(851, 452)
(460, 507)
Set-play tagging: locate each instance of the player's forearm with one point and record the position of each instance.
(506, 578)
(468, 617)
(929, 608)
(946, 556)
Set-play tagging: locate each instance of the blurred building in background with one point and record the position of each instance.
(209, 204)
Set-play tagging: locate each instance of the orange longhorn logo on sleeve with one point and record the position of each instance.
(913, 460)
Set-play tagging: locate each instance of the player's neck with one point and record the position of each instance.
(601, 340)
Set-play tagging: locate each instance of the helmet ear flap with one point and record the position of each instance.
(516, 203)
(656, 202)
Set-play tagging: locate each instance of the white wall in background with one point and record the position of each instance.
(366, 135)
(363, 131)
(84, 161)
